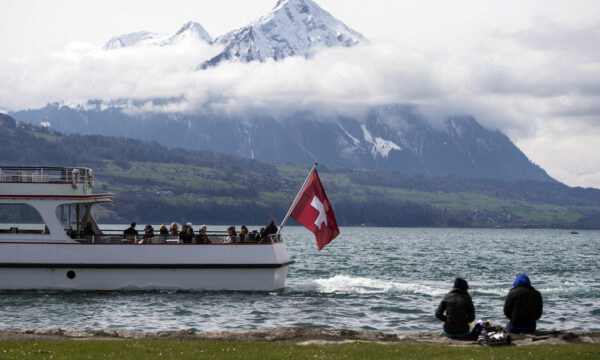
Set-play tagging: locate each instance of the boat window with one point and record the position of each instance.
(74, 219)
(21, 219)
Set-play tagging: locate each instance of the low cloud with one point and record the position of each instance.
(540, 86)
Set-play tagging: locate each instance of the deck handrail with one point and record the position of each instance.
(169, 239)
(46, 174)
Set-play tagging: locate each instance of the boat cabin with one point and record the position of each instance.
(54, 204)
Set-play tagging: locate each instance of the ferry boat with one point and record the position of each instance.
(49, 240)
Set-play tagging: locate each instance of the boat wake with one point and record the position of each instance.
(343, 284)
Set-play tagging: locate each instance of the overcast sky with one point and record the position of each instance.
(528, 68)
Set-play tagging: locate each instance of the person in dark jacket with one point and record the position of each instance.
(130, 233)
(459, 310)
(523, 306)
(269, 230)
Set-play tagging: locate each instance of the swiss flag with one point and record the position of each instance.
(314, 211)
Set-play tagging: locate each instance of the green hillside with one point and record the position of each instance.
(157, 184)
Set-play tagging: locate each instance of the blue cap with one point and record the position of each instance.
(521, 279)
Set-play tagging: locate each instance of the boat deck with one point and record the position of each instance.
(215, 238)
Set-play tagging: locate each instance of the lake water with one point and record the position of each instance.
(387, 279)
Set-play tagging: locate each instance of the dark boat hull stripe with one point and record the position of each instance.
(145, 266)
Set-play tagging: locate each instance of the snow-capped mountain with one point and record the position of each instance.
(131, 39)
(190, 30)
(292, 28)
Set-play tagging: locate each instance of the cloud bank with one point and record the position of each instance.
(541, 86)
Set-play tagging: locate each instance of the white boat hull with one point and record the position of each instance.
(238, 279)
(256, 267)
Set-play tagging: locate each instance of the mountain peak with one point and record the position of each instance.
(130, 39)
(191, 29)
(292, 28)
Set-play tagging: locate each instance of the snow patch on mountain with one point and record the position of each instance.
(189, 31)
(381, 146)
(355, 140)
(131, 39)
(292, 28)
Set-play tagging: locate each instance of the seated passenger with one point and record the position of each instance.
(148, 233)
(130, 233)
(174, 229)
(523, 306)
(187, 233)
(163, 230)
(243, 235)
(459, 311)
(202, 238)
(231, 235)
(271, 229)
(88, 230)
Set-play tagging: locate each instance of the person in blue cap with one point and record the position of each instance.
(457, 310)
(523, 306)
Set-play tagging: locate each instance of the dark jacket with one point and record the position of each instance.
(269, 230)
(523, 306)
(459, 309)
(130, 231)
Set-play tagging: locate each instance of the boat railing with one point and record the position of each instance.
(215, 238)
(41, 174)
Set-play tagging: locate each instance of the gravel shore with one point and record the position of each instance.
(298, 335)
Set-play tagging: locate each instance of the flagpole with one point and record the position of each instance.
(297, 198)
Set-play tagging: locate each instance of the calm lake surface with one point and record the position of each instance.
(387, 279)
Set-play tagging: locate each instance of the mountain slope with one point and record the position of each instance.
(292, 28)
(392, 137)
(157, 184)
(190, 30)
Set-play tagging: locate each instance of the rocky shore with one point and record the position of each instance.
(298, 335)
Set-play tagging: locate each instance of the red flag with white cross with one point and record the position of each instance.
(314, 212)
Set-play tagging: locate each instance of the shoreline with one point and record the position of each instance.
(296, 335)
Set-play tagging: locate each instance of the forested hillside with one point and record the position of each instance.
(158, 184)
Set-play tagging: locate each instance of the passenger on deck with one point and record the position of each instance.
(163, 230)
(243, 235)
(148, 233)
(174, 229)
(202, 238)
(523, 306)
(187, 233)
(271, 229)
(231, 235)
(130, 233)
(459, 311)
(88, 230)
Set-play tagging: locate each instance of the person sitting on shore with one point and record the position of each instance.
(231, 235)
(174, 229)
(202, 238)
(130, 233)
(459, 311)
(523, 306)
(271, 229)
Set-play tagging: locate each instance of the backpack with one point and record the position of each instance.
(490, 335)
(494, 338)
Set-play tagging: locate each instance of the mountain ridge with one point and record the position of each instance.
(390, 137)
(154, 184)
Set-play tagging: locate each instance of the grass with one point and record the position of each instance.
(205, 182)
(178, 349)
